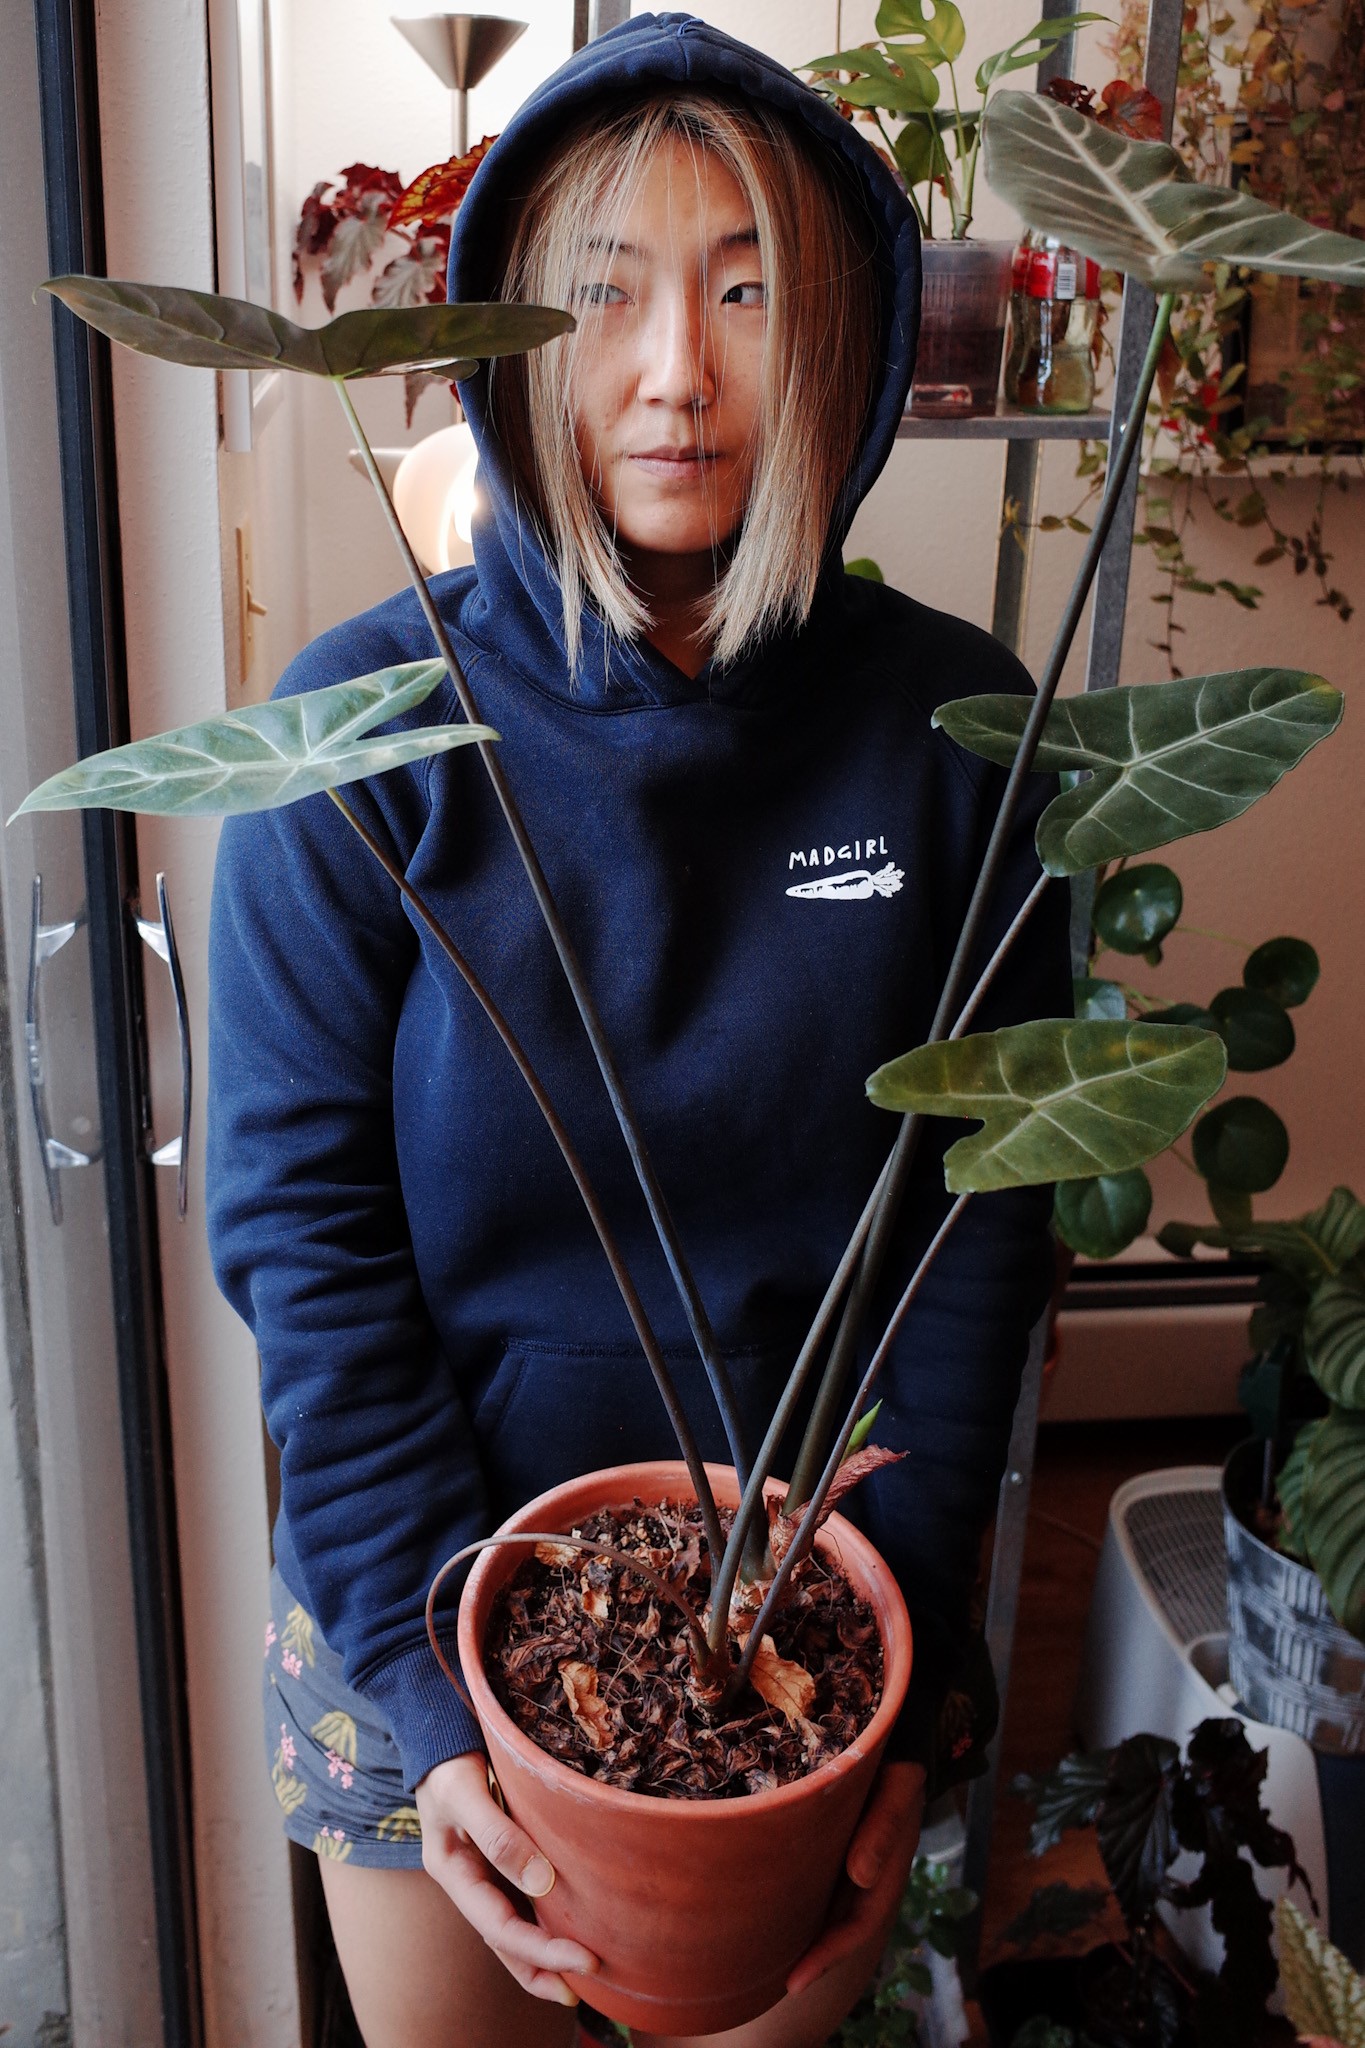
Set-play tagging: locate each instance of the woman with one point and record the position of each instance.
(723, 750)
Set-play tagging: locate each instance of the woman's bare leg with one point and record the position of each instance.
(418, 1974)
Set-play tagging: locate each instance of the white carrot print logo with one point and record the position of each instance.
(854, 885)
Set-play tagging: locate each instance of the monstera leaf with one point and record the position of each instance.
(1331, 1516)
(1166, 759)
(1060, 1100)
(1334, 1339)
(214, 333)
(1134, 207)
(264, 755)
(868, 79)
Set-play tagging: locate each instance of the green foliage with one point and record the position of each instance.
(1306, 1249)
(1323, 1995)
(932, 1914)
(1053, 1912)
(215, 333)
(1098, 1217)
(1134, 207)
(1334, 1337)
(1286, 970)
(864, 566)
(1165, 759)
(1060, 1100)
(1289, 1489)
(1241, 1145)
(1136, 908)
(1042, 2032)
(1257, 1031)
(1331, 1513)
(1106, 999)
(862, 1430)
(264, 755)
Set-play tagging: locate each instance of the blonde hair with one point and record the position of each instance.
(820, 341)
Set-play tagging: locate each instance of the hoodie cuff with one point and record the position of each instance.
(429, 1721)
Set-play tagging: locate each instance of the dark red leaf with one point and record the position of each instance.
(436, 192)
(1068, 92)
(1132, 111)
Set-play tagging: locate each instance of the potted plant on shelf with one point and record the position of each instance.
(720, 1558)
(937, 149)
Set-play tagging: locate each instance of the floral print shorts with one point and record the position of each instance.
(333, 1763)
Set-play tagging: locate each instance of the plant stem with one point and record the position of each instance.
(902, 1158)
(724, 1583)
(988, 972)
(805, 1534)
(682, 1429)
(587, 1009)
(962, 210)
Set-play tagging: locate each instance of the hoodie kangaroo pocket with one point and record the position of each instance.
(554, 1411)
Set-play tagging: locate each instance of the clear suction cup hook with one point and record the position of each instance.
(461, 49)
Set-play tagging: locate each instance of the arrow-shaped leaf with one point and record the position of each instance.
(1060, 1100)
(1135, 207)
(214, 333)
(264, 755)
(1166, 759)
(1332, 1514)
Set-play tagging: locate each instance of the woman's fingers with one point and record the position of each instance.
(893, 1812)
(492, 1914)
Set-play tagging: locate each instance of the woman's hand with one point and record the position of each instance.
(877, 1866)
(468, 1845)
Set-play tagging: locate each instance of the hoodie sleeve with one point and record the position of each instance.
(955, 1372)
(310, 956)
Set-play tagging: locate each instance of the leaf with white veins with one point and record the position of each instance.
(263, 755)
(1165, 759)
(1134, 207)
(1060, 1099)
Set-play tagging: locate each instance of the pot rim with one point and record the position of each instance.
(1281, 1557)
(896, 1662)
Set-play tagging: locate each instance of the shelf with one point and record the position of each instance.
(1007, 425)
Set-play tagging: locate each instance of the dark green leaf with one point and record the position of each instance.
(1099, 1217)
(1257, 1031)
(264, 755)
(1133, 1822)
(1184, 1013)
(1068, 1796)
(1232, 1207)
(1261, 1389)
(1136, 908)
(1060, 1100)
(866, 568)
(1055, 1910)
(1025, 53)
(905, 87)
(1334, 1339)
(1241, 1145)
(1104, 999)
(1286, 970)
(1135, 207)
(1333, 1514)
(215, 333)
(1166, 759)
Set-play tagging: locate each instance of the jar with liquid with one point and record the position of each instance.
(1054, 308)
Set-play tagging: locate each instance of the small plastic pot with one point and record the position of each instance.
(697, 1908)
(964, 300)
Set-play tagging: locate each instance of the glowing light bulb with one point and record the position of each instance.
(435, 499)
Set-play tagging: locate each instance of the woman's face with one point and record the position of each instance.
(669, 359)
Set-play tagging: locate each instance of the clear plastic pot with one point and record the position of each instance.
(962, 328)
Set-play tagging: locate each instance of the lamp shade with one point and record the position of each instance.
(434, 497)
(460, 48)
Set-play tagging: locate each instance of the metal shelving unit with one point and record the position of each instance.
(1025, 433)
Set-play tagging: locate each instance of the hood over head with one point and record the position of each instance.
(517, 580)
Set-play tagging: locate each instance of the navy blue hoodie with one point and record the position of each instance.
(440, 1337)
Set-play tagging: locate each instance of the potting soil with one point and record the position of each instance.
(592, 1665)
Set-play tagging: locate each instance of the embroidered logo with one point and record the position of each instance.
(854, 884)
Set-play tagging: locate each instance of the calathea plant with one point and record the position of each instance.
(1148, 1806)
(1305, 1390)
(1058, 1099)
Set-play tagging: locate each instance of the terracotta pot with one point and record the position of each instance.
(697, 1908)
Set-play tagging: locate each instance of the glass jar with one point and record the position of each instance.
(1054, 308)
